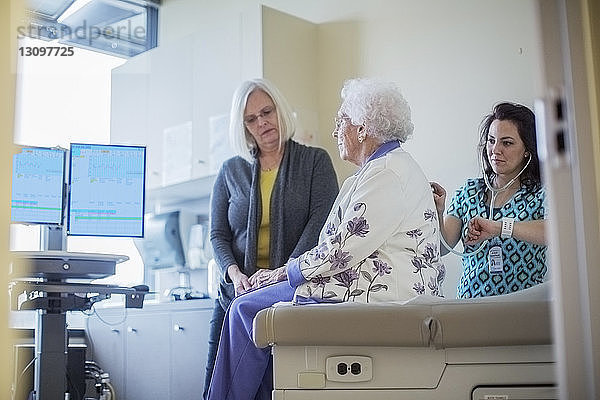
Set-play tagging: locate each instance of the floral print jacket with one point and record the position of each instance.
(380, 241)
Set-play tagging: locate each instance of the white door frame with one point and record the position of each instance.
(570, 177)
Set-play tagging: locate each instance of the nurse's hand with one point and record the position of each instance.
(439, 197)
(265, 277)
(480, 229)
(240, 281)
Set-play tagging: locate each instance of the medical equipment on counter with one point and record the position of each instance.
(494, 192)
(164, 251)
(214, 279)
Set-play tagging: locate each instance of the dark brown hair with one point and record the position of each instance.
(524, 120)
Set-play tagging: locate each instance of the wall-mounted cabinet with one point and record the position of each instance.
(175, 99)
(153, 104)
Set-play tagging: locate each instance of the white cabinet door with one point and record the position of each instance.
(154, 354)
(129, 112)
(189, 348)
(107, 345)
(147, 356)
(166, 99)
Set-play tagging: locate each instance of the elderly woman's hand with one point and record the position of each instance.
(240, 281)
(265, 277)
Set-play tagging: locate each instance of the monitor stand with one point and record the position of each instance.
(53, 237)
(60, 266)
(53, 300)
(40, 281)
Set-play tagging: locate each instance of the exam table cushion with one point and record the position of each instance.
(522, 318)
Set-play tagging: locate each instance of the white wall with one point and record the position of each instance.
(453, 60)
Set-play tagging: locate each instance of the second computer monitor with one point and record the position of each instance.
(106, 185)
(37, 185)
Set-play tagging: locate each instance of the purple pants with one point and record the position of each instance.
(243, 371)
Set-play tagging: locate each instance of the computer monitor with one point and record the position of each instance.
(106, 190)
(38, 178)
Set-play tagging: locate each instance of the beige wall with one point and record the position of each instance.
(592, 44)
(453, 60)
(9, 11)
(293, 67)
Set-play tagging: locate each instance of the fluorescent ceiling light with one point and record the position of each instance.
(78, 5)
(48, 8)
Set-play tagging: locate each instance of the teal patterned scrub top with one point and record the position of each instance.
(524, 263)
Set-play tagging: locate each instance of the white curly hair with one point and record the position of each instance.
(379, 106)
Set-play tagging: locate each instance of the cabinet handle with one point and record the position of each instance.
(115, 331)
(131, 330)
(177, 327)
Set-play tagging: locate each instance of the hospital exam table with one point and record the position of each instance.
(496, 348)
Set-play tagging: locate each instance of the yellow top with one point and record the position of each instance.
(267, 180)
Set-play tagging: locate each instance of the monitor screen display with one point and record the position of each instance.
(106, 190)
(38, 176)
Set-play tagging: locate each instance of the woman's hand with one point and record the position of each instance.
(265, 277)
(240, 281)
(439, 198)
(480, 229)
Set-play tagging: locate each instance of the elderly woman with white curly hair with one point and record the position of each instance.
(379, 243)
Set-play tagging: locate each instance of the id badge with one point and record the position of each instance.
(495, 262)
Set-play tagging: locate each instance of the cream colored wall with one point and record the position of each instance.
(9, 14)
(453, 61)
(340, 61)
(592, 45)
(289, 61)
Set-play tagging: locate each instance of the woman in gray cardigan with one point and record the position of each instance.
(293, 185)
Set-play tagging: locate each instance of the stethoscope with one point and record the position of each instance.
(494, 193)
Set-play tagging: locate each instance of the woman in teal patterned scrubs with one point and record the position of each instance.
(513, 256)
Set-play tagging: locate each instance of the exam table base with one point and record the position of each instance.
(509, 372)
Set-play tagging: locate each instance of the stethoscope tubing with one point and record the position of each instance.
(494, 193)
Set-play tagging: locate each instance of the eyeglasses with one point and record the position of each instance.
(252, 119)
(338, 122)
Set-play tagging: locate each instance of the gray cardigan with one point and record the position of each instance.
(303, 192)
